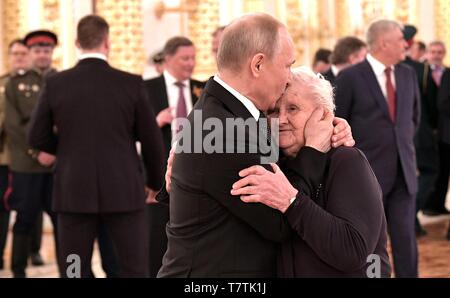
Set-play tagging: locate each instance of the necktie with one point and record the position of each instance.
(390, 92)
(437, 75)
(181, 105)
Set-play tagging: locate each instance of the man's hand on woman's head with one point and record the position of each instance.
(318, 130)
(259, 185)
(342, 133)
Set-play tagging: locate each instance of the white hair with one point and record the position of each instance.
(319, 87)
(377, 29)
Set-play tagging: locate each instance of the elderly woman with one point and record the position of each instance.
(336, 209)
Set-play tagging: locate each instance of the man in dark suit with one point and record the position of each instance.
(347, 51)
(435, 204)
(381, 101)
(444, 132)
(426, 136)
(92, 115)
(172, 95)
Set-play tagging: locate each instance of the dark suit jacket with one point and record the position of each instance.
(425, 136)
(99, 113)
(212, 233)
(444, 107)
(157, 93)
(338, 216)
(359, 99)
(329, 76)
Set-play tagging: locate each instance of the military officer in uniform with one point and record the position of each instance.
(19, 62)
(30, 169)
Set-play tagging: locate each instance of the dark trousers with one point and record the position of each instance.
(428, 164)
(158, 216)
(4, 212)
(400, 210)
(36, 235)
(31, 193)
(437, 200)
(107, 254)
(77, 233)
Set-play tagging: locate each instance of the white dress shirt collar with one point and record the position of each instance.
(377, 66)
(92, 55)
(171, 80)
(334, 70)
(249, 105)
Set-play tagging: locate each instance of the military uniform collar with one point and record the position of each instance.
(45, 72)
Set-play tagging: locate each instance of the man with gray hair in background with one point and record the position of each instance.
(380, 99)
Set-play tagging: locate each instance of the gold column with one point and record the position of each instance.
(342, 17)
(442, 23)
(14, 20)
(296, 25)
(51, 20)
(126, 36)
(202, 22)
(324, 29)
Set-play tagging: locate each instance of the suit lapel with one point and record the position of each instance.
(374, 87)
(163, 95)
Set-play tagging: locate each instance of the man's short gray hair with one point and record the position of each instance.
(247, 36)
(316, 84)
(438, 43)
(378, 28)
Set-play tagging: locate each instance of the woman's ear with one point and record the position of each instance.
(256, 64)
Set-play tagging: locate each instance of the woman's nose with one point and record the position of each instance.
(283, 117)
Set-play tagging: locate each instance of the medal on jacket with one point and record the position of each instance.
(35, 88)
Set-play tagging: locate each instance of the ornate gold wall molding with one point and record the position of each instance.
(125, 21)
(202, 22)
(14, 21)
(442, 24)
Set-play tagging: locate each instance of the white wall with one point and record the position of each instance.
(157, 31)
(426, 21)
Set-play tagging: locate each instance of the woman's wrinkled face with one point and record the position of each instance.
(293, 109)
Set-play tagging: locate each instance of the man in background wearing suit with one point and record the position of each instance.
(381, 101)
(172, 95)
(92, 115)
(347, 51)
(435, 204)
(426, 142)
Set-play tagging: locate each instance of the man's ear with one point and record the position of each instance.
(256, 64)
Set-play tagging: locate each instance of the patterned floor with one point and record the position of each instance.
(434, 250)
